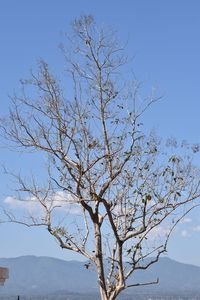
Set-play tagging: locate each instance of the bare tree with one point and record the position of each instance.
(111, 194)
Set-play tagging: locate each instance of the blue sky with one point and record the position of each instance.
(164, 38)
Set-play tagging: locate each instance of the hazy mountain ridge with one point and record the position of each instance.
(30, 275)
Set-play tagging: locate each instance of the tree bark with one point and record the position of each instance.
(99, 262)
(103, 294)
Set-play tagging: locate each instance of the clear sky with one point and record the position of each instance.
(164, 38)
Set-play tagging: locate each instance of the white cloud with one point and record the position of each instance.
(30, 204)
(159, 232)
(61, 200)
(197, 228)
(65, 202)
(185, 233)
(186, 220)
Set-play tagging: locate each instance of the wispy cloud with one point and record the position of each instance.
(196, 228)
(159, 232)
(30, 203)
(186, 220)
(61, 200)
(185, 234)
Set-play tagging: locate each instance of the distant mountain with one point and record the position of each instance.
(42, 275)
(31, 275)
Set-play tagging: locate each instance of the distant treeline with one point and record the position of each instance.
(96, 297)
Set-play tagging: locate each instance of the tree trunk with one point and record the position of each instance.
(103, 294)
(99, 262)
(100, 266)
